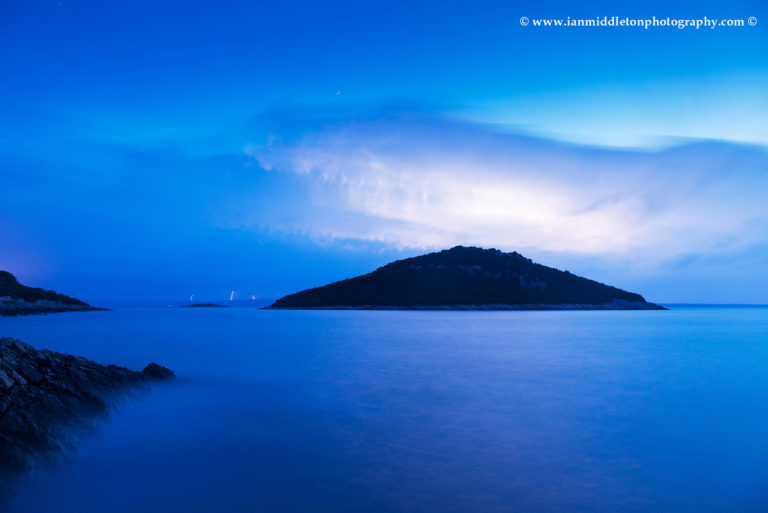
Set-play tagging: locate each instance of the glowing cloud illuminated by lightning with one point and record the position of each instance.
(413, 183)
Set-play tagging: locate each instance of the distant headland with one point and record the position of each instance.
(466, 278)
(18, 299)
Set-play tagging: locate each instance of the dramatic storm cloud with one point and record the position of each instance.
(416, 182)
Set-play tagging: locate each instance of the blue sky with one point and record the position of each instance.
(163, 149)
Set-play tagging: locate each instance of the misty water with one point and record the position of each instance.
(332, 411)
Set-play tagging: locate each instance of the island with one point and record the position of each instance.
(45, 396)
(18, 299)
(466, 278)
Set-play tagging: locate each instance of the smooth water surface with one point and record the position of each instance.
(334, 411)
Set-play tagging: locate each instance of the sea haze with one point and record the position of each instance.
(392, 411)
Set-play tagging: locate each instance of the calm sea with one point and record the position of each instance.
(331, 411)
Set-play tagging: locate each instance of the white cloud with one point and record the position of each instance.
(426, 183)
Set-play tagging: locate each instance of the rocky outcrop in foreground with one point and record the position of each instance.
(45, 394)
(18, 299)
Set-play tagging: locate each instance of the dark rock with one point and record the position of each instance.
(467, 278)
(44, 395)
(155, 371)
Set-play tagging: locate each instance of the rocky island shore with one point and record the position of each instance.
(466, 278)
(18, 299)
(45, 396)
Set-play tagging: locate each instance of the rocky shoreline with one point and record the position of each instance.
(18, 299)
(614, 305)
(14, 307)
(45, 395)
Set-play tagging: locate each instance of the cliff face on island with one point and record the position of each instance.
(467, 278)
(18, 299)
(45, 394)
